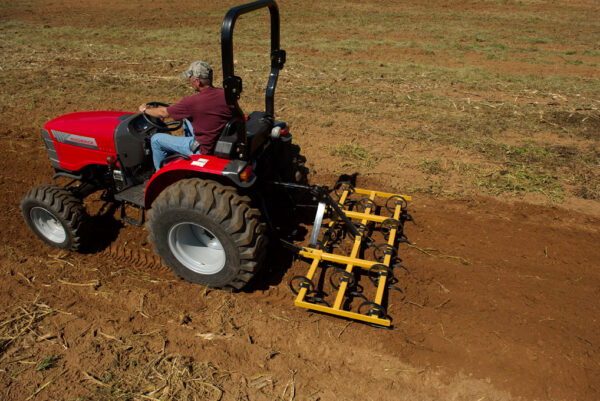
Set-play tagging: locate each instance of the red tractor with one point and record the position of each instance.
(205, 217)
(210, 215)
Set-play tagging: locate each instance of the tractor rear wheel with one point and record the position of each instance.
(55, 215)
(207, 233)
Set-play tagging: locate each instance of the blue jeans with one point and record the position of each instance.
(165, 144)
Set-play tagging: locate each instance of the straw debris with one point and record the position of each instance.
(22, 320)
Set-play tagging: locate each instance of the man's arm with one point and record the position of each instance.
(160, 111)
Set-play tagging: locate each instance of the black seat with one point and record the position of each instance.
(225, 146)
(258, 127)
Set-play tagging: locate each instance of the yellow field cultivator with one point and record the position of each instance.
(354, 236)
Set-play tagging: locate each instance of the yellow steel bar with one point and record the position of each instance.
(309, 275)
(357, 241)
(386, 261)
(381, 194)
(343, 313)
(344, 196)
(332, 257)
(365, 216)
(343, 285)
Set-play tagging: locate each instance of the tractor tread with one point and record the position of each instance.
(225, 207)
(65, 205)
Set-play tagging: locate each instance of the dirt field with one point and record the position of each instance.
(486, 112)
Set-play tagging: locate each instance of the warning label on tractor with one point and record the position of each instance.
(199, 162)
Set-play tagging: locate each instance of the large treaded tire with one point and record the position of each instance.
(55, 215)
(224, 215)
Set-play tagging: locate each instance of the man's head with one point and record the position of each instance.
(200, 75)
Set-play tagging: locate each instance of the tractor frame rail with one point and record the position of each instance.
(354, 219)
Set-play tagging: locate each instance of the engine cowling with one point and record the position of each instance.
(76, 140)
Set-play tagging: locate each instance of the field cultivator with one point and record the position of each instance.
(371, 232)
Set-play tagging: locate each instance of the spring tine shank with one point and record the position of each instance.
(357, 242)
(387, 259)
(309, 275)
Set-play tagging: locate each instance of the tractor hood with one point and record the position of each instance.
(91, 129)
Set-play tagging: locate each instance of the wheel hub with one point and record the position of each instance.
(48, 225)
(197, 248)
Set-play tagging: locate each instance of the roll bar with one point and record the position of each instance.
(233, 83)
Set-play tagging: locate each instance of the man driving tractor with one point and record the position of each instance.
(206, 113)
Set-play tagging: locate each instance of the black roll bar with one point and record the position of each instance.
(233, 83)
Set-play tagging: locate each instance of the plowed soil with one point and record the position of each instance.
(500, 302)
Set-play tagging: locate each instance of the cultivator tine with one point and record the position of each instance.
(354, 253)
(359, 225)
(388, 255)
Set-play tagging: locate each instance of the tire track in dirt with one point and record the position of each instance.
(141, 259)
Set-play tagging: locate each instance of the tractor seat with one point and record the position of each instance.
(258, 129)
(257, 125)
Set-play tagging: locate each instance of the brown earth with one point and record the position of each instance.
(500, 302)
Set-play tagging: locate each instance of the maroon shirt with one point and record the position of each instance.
(208, 112)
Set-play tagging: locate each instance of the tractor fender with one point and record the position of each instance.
(204, 166)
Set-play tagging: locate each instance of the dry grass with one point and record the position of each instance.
(436, 89)
(21, 321)
(159, 377)
(42, 347)
(165, 377)
(19, 330)
(124, 368)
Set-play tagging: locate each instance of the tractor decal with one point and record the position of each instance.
(76, 140)
(50, 148)
(199, 162)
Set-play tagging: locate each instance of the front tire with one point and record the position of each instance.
(55, 215)
(207, 233)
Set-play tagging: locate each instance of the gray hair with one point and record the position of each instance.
(206, 81)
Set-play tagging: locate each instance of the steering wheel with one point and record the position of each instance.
(160, 124)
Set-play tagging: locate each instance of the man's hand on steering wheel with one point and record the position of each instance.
(154, 115)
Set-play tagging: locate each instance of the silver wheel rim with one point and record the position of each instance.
(48, 225)
(197, 248)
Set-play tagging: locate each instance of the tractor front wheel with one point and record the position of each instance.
(55, 215)
(207, 233)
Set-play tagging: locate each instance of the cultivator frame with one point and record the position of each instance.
(345, 220)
